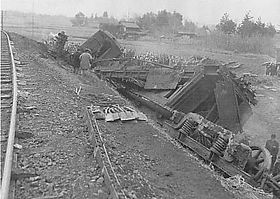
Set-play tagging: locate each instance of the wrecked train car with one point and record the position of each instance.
(202, 109)
(103, 44)
(213, 92)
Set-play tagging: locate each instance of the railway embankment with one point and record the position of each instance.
(147, 162)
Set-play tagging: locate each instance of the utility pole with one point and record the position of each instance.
(33, 19)
(2, 19)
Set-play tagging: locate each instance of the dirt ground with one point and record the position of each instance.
(146, 160)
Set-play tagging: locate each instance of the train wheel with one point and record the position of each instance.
(258, 163)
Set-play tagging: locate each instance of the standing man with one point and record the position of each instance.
(273, 69)
(85, 60)
(76, 60)
(268, 68)
(273, 147)
(276, 169)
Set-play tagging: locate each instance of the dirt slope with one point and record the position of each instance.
(59, 153)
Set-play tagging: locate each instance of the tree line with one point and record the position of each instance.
(166, 22)
(171, 22)
(247, 28)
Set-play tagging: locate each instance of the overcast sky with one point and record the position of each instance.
(200, 11)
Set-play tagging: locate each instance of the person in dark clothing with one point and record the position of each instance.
(276, 169)
(76, 61)
(273, 69)
(273, 147)
(61, 40)
(268, 69)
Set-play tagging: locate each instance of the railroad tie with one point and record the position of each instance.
(6, 106)
(5, 63)
(5, 70)
(5, 74)
(6, 90)
(5, 77)
(5, 67)
(5, 97)
(6, 81)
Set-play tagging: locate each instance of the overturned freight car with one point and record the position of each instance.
(213, 92)
(203, 109)
(103, 45)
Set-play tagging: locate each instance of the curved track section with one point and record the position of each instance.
(8, 112)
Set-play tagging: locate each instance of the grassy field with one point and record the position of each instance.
(76, 34)
(38, 27)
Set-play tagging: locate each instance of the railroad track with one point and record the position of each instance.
(8, 113)
(112, 183)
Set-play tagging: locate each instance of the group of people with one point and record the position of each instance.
(81, 60)
(57, 42)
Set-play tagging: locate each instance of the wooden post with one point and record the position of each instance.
(278, 55)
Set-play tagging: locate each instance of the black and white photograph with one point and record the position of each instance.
(140, 99)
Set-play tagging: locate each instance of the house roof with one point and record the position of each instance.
(129, 24)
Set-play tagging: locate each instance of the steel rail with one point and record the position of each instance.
(10, 145)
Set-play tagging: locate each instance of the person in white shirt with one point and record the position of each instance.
(85, 61)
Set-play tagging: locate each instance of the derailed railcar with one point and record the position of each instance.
(204, 111)
(97, 41)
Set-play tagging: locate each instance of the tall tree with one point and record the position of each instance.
(147, 21)
(247, 26)
(105, 14)
(226, 25)
(270, 30)
(189, 26)
(162, 18)
(260, 27)
(175, 19)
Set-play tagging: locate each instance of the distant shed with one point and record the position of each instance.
(128, 26)
(189, 34)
